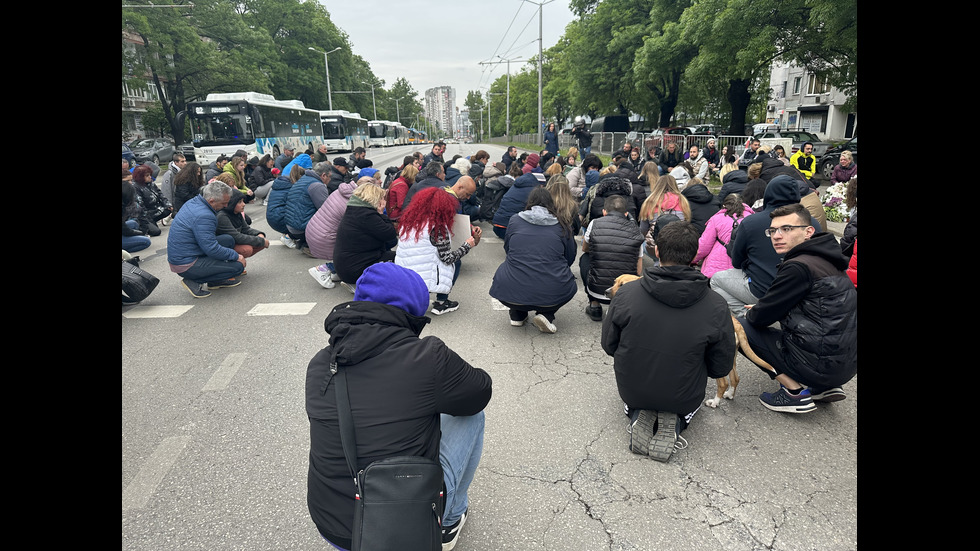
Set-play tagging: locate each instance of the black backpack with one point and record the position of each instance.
(390, 174)
(736, 222)
(490, 195)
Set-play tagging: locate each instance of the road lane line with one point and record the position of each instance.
(141, 489)
(225, 372)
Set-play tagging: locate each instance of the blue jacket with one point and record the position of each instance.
(192, 234)
(275, 212)
(299, 204)
(515, 199)
(551, 142)
(536, 270)
(302, 160)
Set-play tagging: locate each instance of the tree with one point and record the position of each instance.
(660, 64)
(476, 107)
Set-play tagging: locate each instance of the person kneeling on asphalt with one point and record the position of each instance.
(815, 304)
(195, 253)
(408, 396)
(610, 248)
(667, 333)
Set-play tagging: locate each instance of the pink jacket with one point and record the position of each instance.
(713, 253)
(321, 231)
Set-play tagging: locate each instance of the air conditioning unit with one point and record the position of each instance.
(771, 108)
(821, 99)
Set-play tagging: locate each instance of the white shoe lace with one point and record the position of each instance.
(680, 443)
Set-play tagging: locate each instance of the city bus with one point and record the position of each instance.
(257, 123)
(381, 133)
(343, 130)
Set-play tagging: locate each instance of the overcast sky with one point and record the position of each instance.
(441, 43)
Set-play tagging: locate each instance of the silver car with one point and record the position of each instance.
(158, 150)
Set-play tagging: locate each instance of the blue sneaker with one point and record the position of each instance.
(783, 401)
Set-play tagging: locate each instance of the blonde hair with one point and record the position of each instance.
(296, 172)
(729, 167)
(658, 192)
(409, 173)
(566, 207)
(227, 178)
(608, 169)
(553, 168)
(369, 192)
(572, 152)
(847, 154)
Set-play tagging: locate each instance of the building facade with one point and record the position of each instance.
(440, 108)
(801, 101)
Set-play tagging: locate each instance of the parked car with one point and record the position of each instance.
(831, 158)
(798, 137)
(610, 123)
(127, 155)
(706, 129)
(656, 138)
(188, 150)
(158, 150)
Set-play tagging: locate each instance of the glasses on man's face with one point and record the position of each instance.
(782, 230)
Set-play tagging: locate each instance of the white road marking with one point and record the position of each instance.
(281, 309)
(139, 491)
(225, 372)
(157, 311)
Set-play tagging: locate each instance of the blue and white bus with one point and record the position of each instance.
(381, 133)
(257, 123)
(343, 130)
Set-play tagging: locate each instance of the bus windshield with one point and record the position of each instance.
(218, 127)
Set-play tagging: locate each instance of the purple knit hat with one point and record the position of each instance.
(389, 283)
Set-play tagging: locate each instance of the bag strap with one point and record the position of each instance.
(345, 419)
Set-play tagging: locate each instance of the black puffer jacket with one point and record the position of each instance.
(398, 385)
(668, 333)
(703, 204)
(820, 330)
(734, 182)
(614, 245)
(609, 185)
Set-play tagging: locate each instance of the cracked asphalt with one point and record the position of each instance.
(223, 466)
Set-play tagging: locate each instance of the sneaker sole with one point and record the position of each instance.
(835, 396)
(449, 545)
(802, 408)
(661, 445)
(201, 294)
(225, 286)
(544, 325)
(518, 323)
(444, 311)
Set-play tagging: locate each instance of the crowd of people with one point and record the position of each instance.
(754, 254)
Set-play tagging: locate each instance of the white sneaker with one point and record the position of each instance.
(288, 242)
(543, 324)
(323, 278)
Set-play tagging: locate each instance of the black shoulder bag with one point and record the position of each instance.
(399, 500)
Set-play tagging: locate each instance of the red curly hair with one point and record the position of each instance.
(432, 208)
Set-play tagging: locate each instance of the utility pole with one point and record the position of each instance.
(507, 61)
(540, 61)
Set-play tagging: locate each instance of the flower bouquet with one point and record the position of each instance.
(833, 203)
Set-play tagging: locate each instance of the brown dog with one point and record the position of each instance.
(726, 385)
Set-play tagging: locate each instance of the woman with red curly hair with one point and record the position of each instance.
(153, 206)
(424, 244)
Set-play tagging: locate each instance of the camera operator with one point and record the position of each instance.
(584, 136)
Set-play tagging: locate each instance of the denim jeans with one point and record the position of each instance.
(133, 243)
(459, 452)
(206, 269)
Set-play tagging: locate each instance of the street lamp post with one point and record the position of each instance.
(326, 64)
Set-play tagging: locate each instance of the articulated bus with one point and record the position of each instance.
(257, 123)
(343, 130)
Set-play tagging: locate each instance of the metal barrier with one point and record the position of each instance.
(606, 143)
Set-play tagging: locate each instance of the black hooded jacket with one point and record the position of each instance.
(703, 204)
(815, 304)
(398, 385)
(668, 332)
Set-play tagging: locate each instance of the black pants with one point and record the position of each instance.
(519, 312)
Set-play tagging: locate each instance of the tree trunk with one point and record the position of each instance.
(738, 98)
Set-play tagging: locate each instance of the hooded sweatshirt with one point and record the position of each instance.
(667, 333)
(230, 223)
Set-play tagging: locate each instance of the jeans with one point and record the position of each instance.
(733, 286)
(206, 269)
(443, 296)
(459, 452)
(133, 243)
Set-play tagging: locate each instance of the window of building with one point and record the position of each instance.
(796, 84)
(817, 85)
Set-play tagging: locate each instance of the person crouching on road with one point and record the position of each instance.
(231, 221)
(428, 403)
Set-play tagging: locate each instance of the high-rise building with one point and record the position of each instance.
(440, 107)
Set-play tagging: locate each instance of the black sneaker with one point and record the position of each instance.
(594, 312)
(196, 289)
(783, 401)
(224, 283)
(450, 534)
(440, 308)
(835, 394)
(654, 434)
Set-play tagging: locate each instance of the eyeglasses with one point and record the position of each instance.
(781, 230)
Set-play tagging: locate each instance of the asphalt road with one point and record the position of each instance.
(215, 436)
